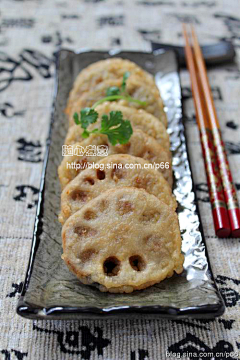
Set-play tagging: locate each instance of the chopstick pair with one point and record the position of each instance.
(223, 197)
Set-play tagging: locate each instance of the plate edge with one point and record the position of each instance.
(31, 311)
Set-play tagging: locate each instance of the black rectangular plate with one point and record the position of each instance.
(50, 290)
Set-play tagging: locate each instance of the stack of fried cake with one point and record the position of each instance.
(120, 227)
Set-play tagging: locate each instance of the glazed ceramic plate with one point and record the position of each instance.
(50, 290)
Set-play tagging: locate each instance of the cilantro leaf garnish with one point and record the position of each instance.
(116, 93)
(124, 82)
(116, 129)
(88, 116)
(113, 90)
(112, 125)
(85, 134)
(76, 119)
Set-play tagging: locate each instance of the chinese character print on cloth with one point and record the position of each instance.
(31, 33)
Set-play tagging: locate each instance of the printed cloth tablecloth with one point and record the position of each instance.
(31, 31)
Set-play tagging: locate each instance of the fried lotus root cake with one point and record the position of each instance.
(140, 145)
(114, 171)
(103, 70)
(139, 119)
(136, 88)
(124, 240)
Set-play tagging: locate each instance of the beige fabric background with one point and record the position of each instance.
(31, 31)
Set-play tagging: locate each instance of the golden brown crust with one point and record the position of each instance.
(120, 229)
(139, 119)
(136, 88)
(132, 241)
(119, 171)
(140, 145)
(109, 69)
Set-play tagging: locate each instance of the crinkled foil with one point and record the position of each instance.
(50, 290)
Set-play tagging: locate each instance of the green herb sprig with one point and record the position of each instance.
(118, 93)
(116, 129)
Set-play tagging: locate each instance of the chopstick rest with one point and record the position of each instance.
(214, 54)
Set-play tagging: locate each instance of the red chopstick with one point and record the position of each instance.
(219, 209)
(225, 172)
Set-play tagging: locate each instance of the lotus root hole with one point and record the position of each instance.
(86, 255)
(140, 182)
(90, 215)
(89, 180)
(137, 263)
(124, 207)
(103, 205)
(98, 80)
(117, 173)
(101, 174)
(84, 231)
(152, 216)
(79, 195)
(148, 155)
(111, 266)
